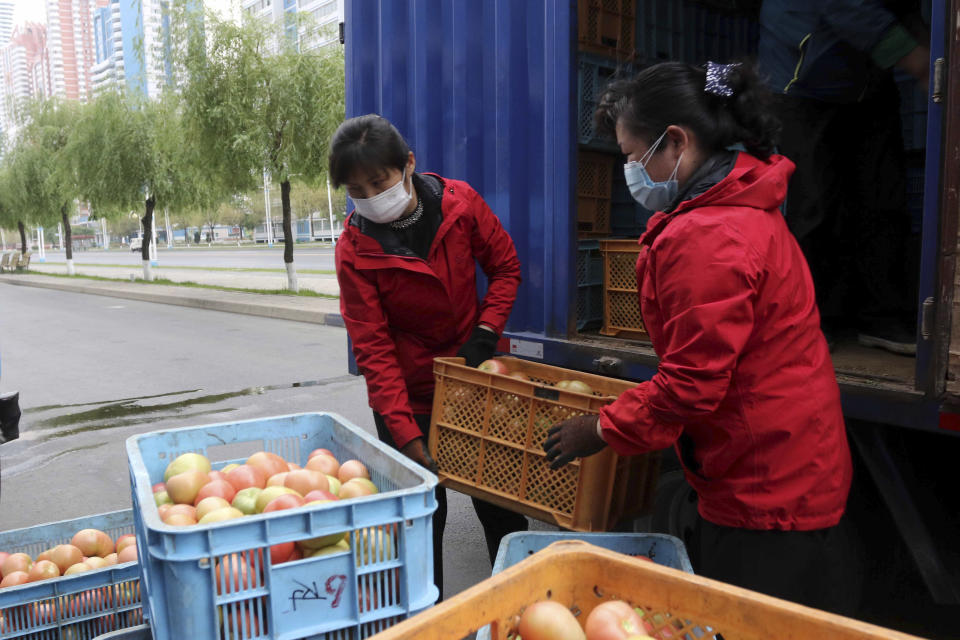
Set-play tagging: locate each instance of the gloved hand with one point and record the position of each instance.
(481, 346)
(573, 438)
(417, 451)
(9, 417)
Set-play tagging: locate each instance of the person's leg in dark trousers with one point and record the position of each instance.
(813, 138)
(879, 193)
(813, 568)
(440, 515)
(497, 522)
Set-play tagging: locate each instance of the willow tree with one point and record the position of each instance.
(42, 178)
(258, 106)
(130, 153)
(10, 216)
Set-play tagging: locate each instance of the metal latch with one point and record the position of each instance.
(926, 318)
(608, 365)
(939, 66)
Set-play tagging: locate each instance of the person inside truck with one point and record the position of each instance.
(406, 264)
(831, 65)
(745, 389)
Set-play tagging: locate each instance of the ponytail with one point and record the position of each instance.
(677, 93)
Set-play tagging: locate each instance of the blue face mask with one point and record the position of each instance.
(651, 195)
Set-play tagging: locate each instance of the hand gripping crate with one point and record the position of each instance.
(334, 597)
(76, 607)
(487, 432)
(621, 304)
(674, 605)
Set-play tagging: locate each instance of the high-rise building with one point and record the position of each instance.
(25, 68)
(6, 21)
(322, 28)
(71, 45)
(129, 47)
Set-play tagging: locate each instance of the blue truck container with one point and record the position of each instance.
(490, 92)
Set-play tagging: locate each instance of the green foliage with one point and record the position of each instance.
(40, 179)
(128, 149)
(254, 102)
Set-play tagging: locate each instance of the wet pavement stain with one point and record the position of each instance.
(126, 423)
(49, 407)
(131, 411)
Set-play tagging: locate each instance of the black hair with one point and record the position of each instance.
(366, 143)
(674, 93)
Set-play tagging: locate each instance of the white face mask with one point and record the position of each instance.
(386, 206)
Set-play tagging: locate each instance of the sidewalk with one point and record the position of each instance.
(326, 284)
(301, 309)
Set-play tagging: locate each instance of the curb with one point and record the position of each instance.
(252, 307)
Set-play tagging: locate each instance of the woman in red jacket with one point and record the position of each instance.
(745, 389)
(406, 264)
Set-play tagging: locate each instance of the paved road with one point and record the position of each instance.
(93, 371)
(304, 256)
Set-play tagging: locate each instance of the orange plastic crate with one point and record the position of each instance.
(594, 187)
(676, 605)
(607, 27)
(487, 433)
(621, 304)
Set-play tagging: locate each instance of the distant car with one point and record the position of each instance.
(136, 244)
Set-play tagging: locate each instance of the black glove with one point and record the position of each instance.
(573, 438)
(9, 417)
(480, 347)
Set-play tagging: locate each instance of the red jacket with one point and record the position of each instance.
(745, 388)
(402, 311)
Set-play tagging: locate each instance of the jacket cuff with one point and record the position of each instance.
(404, 432)
(494, 321)
(895, 44)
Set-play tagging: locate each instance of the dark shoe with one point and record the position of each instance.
(891, 338)
(9, 417)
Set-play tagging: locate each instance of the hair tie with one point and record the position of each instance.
(717, 75)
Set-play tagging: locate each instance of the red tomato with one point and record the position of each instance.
(549, 620)
(614, 620)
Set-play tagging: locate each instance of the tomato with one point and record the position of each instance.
(548, 620)
(614, 620)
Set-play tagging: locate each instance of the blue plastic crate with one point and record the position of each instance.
(139, 632)
(589, 263)
(594, 73)
(663, 549)
(77, 607)
(347, 594)
(589, 285)
(589, 307)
